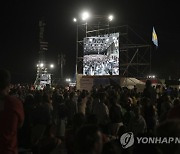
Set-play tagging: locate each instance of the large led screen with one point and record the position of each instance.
(101, 55)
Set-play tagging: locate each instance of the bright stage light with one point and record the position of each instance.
(74, 19)
(51, 66)
(151, 76)
(41, 65)
(85, 15)
(110, 18)
(68, 80)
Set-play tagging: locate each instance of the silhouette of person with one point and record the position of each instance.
(11, 116)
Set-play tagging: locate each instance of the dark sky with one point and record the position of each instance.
(20, 32)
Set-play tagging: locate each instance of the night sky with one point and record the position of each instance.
(20, 32)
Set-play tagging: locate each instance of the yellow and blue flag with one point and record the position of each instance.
(154, 37)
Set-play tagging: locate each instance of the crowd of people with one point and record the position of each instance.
(61, 121)
(100, 65)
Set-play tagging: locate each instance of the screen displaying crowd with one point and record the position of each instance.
(101, 55)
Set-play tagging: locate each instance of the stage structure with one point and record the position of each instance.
(105, 50)
(43, 75)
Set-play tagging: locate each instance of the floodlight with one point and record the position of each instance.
(51, 66)
(74, 19)
(85, 15)
(41, 65)
(110, 18)
(68, 80)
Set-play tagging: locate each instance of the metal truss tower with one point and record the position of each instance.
(43, 77)
(135, 54)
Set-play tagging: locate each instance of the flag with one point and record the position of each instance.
(154, 37)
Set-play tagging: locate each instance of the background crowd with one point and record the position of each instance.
(61, 121)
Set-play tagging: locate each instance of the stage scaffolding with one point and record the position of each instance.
(135, 52)
(43, 75)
